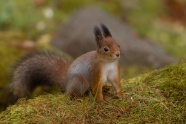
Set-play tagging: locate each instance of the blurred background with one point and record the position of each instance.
(29, 25)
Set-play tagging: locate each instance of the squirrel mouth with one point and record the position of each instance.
(114, 59)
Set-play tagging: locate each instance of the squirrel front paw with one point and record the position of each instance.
(99, 98)
(121, 96)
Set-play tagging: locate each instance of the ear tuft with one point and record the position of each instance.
(98, 36)
(97, 31)
(106, 31)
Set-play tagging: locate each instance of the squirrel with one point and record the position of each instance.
(90, 71)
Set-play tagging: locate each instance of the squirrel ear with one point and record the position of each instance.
(98, 36)
(106, 31)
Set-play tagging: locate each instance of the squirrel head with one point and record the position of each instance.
(107, 47)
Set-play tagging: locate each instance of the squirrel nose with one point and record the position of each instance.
(117, 54)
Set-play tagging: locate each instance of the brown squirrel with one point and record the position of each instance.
(89, 71)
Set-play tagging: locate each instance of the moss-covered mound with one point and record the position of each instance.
(156, 97)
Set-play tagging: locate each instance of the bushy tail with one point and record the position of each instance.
(39, 69)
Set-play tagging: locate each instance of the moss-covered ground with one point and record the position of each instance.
(155, 97)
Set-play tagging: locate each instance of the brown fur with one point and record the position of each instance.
(96, 82)
(89, 71)
(41, 68)
(93, 67)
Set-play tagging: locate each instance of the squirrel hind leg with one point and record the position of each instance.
(77, 86)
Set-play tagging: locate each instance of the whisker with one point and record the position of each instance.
(124, 57)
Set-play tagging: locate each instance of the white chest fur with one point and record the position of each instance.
(109, 72)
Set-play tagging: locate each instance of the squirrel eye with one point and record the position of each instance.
(106, 49)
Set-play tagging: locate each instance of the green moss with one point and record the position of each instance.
(156, 97)
(165, 87)
(171, 81)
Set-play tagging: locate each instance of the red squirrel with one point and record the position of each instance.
(91, 70)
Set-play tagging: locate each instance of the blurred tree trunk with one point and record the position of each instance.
(176, 10)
